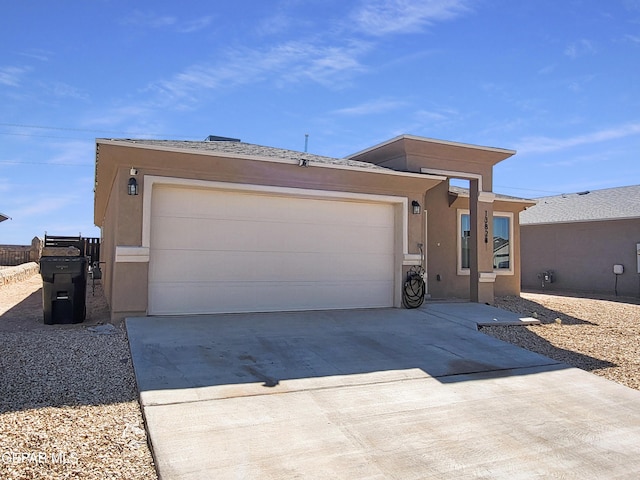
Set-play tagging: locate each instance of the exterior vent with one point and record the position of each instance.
(586, 192)
(215, 138)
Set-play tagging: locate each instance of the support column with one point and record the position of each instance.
(481, 248)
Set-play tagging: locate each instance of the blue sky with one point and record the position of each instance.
(558, 81)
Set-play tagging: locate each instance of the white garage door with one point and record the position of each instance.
(218, 251)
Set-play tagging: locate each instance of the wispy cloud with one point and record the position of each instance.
(372, 107)
(75, 152)
(12, 76)
(439, 116)
(64, 90)
(633, 38)
(275, 24)
(153, 20)
(383, 17)
(282, 64)
(548, 144)
(119, 115)
(578, 85)
(575, 160)
(44, 205)
(138, 18)
(546, 70)
(331, 59)
(580, 48)
(194, 25)
(329, 65)
(633, 5)
(37, 54)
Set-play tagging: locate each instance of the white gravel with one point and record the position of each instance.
(68, 401)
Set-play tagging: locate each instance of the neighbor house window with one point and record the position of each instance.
(502, 242)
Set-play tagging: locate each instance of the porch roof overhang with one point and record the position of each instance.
(411, 145)
(456, 193)
(409, 153)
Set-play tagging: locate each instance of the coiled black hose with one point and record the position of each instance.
(414, 288)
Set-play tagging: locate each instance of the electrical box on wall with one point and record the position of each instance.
(618, 269)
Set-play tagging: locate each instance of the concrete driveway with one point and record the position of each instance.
(384, 393)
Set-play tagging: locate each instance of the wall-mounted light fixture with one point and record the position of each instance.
(132, 188)
(415, 206)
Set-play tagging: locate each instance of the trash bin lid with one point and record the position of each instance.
(63, 259)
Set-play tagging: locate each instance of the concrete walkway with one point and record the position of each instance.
(382, 393)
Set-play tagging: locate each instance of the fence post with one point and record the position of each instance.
(36, 249)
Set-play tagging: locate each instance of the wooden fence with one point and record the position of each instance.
(12, 255)
(88, 246)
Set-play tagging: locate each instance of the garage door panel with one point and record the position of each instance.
(219, 251)
(261, 236)
(242, 296)
(202, 203)
(255, 266)
(269, 233)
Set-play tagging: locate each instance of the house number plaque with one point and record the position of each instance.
(486, 227)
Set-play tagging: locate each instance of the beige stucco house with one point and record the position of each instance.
(226, 226)
(572, 242)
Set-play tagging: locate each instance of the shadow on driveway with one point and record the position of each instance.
(271, 348)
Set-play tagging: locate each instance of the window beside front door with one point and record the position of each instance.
(502, 242)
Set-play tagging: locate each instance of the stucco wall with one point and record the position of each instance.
(18, 273)
(444, 281)
(582, 256)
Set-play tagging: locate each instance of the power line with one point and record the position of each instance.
(40, 136)
(72, 129)
(529, 189)
(9, 162)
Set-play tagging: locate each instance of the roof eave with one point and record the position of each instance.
(524, 201)
(584, 220)
(212, 153)
(499, 151)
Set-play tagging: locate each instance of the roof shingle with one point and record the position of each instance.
(606, 204)
(249, 149)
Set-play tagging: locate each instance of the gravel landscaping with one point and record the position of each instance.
(68, 401)
(600, 335)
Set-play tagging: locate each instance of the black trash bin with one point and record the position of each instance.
(64, 289)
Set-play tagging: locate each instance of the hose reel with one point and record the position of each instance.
(414, 289)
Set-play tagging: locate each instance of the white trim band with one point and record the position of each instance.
(126, 254)
(412, 259)
(486, 197)
(486, 277)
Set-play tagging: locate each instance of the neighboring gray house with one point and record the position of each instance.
(576, 239)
